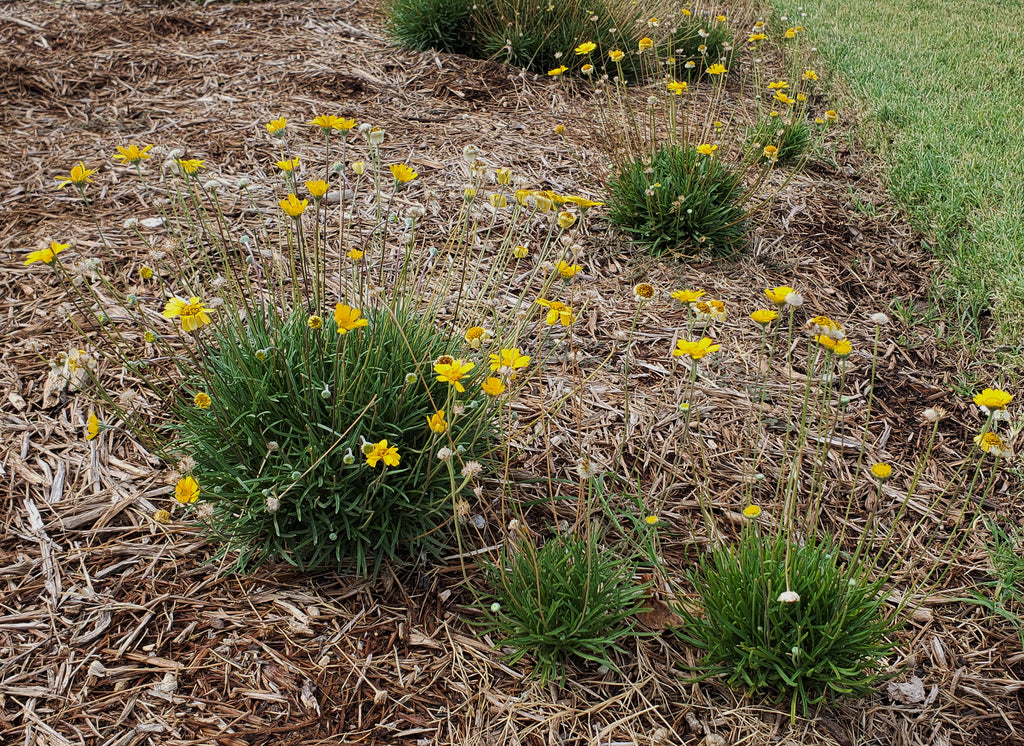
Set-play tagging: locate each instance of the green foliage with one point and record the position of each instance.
(278, 453)
(829, 642)
(792, 138)
(679, 202)
(444, 25)
(570, 598)
(1007, 597)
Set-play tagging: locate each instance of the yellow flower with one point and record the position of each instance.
(520, 252)
(315, 322)
(652, 520)
(566, 220)
(843, 348)
(771, 152)
(329, 122)
(581, 202)
(688, 296)
(436, 422)
(801, 97)
(881, 471)
(477, 335)
(991, 443)
(810, 75)
(642, 292)
(993, 399)
(358, 167)
(191, 166)
(186, 491)
(557, 71)
(453, 372)
(402, 173)
(354, 254)
(720, 19)
(695, 350)
(162, 516)
(192, 312)
(347, 318)
(493, 386)
(293, 206)
(92, 427)
(764, 316)
(585, 48)
(777, 85)
(615, 55)
(587, 69)
(276, 126)
(706, 149)
(132, 154)
(558, 312)
(317, 189)
(79, 175)
(202, 400)
(827, 342)
(791, 33)
(677, 87)
(468, 194)
(752, 511)
(757, 37)
(779, 294)
(498, 201)
(645, 44)
(382, 452)
(783, 98)
(568, 271)
(828, 327)
(831, 115)
(559, 130)
(288, 165)
(146, 273)
(509, 361)
(503, 175)
(717, 69)
(46, 256)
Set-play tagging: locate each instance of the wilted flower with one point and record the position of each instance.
(566, 220)
(645, 44)
(520, 252)
(789, 597)
(477, 335)
(162, 516)
(472, 469)
(991, 443)
(92, 426)
(712, 310)
(557, 71)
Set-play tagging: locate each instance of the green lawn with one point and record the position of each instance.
(942, 85)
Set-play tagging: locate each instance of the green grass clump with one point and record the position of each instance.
(826, 639)
(569, 598)
(945, 113)
(679, 201)
(281, 450)
(790, 138)
(444, 25)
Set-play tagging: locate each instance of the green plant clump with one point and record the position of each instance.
(569, 598)
(680, 201)
(444, 25)
(285, 443)
(788, 618)
(789, 138)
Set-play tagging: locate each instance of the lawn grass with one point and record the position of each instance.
(939, 81)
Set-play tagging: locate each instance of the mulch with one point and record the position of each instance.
(117, 630)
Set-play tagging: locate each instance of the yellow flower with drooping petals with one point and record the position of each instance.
(382, 452)
(186, 491)
(558, 312)
(46, 256)
(508, 361)
(190, 166)
(688, 297)
(616, 55)
(476, 336)
(695, 350)
(991, 443)
(277, 126)
(131, 154)
(557, 71)
(317, 188)
(778, 294)
(348, 318)
(329, 122)
(566, 270)
(402, 173)
(293, 206)
(645, 44)
(764, 316)
(92, 426)
(288, 165)
(493, 386)
(436, 422)
(677, 87)
(192, 312)
(79, 176)
(566, 220)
